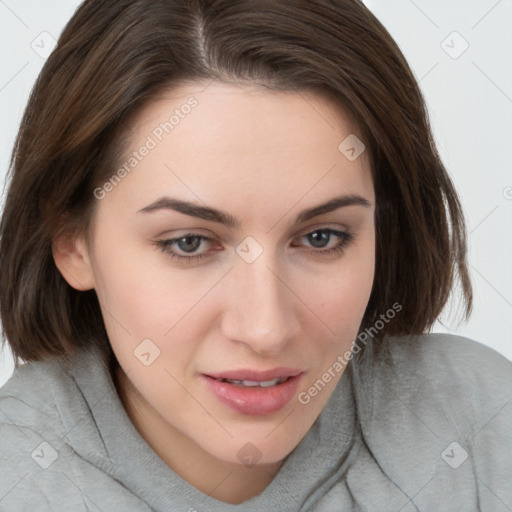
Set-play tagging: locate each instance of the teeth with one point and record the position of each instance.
(253, 383)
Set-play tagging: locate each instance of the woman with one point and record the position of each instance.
(226, 236)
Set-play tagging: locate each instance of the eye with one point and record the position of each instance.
(321, 238)
(187, 244)
(184, 247)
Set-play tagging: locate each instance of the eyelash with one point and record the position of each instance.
(165, 245)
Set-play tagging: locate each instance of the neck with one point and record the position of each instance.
(222, 480)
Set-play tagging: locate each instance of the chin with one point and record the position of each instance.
(249, 453)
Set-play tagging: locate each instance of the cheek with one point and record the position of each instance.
(339, 293)
(127, 291)
(144, 296)
(139, 290)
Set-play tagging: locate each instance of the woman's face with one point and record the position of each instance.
(214, 257)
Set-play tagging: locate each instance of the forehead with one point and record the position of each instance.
(239, 117)
(237, 142)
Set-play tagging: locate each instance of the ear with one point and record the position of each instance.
(72, 259)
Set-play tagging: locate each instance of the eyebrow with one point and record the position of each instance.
(215, 215)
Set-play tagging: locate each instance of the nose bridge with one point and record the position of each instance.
(260, 311)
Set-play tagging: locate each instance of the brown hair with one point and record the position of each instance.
(115, 56)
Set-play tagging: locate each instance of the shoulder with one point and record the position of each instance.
(439, 352)
(33, 437)
(29, 412)
(29, 395)
(455, 346)
(448, 363)
(46, 395)
(439, 407)
(449, 384)
(455, 373)
(51, 416)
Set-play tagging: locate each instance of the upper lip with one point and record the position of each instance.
(256, 375)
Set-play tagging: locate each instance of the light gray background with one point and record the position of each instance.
(468, 93)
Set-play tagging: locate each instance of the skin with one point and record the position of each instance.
(262, 156)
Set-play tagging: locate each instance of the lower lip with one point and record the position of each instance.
(254, 400)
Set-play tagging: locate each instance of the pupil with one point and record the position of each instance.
(323, 239)
(188, 246)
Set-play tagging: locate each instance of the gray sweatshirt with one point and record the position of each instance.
(427, 427)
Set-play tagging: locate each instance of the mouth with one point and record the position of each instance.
(254, 383)
(256, 376)
(254, 392)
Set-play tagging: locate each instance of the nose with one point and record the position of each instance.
(260, 310)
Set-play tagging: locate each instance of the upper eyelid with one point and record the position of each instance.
(309, 230)
(304, 233)
(346, 236)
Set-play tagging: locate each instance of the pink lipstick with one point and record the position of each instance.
(254, 392)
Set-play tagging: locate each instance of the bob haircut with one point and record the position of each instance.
(114, 57)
